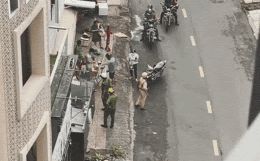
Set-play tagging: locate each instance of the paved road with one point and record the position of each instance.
(210, 61)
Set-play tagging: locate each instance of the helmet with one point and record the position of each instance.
(103, 75)
(111, 90)
(149, 6)
(144, 75)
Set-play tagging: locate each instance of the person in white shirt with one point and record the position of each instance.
(133, 59)
(111, 66)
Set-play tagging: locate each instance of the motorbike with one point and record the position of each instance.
(155, 72)
(151, 34)
(168, 18)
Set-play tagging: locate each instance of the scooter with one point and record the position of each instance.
(155, 72)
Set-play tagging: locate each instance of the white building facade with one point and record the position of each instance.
(25, 104)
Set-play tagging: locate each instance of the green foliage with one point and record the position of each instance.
(117, 152)
(98, 157)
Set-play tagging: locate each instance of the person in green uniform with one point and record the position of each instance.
(111, 108)
(105, 85)
(78, 50)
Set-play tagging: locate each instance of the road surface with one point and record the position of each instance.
(199, 109)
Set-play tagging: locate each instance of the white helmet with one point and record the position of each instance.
(103, 75)
(144, 75)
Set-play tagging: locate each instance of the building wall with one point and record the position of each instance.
(19, 133)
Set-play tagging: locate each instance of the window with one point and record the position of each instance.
(32, 154)
(32, 62)
(26, 56)
(38, 147)
(13, 5)
(52, 9)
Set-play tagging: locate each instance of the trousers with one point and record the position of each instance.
(109, 112)
(133, 71)
(104, 97)
(141, 98)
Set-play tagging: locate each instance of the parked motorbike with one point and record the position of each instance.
(155, 72)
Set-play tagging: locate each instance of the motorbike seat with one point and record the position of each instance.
(149, 67)
(159, 65)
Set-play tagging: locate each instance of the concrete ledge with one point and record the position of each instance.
(254, 21)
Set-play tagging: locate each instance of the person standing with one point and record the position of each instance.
(143, 91)
(78, 50)
(111, 65)
(133, 59)
(96, 31)
(173, 5)
(111, 108)
(108, 34)
(105, 85)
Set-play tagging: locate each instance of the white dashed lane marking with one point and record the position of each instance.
(184, 13)
(201, 71)
(215, 147)
(193, 42)
(209, 107)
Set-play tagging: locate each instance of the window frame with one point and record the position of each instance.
(12, 13)
(27, 93)
(45, 127)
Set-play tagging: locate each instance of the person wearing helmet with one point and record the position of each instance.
(173, 5)
(174, 9)
(111, 108)
(150, 20)
(143, 91)
(149, 14)
(105, 84)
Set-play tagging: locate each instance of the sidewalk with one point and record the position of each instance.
(121, 135)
